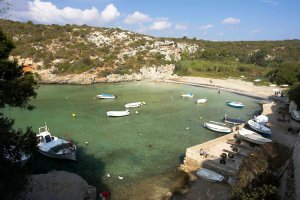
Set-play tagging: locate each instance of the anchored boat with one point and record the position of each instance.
(263, 130)
(214, 126)
(106, 96)
(55, 147)
(235, 104)
(117, 113)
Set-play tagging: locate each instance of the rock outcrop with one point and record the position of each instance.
(59, 185)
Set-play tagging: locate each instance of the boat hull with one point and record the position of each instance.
(117, 113)
(261, 129)
(201, 101)
(235, 104)
(253, 137)
(217, 128)
(106, 96)
(295, 115)
(210, 175)
(66, 156)
(133, 105)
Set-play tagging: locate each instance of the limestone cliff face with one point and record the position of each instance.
(146, 73)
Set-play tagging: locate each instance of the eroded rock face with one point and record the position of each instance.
(59, 185)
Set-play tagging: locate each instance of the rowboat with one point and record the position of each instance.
(55, 147)
(209, 175)
(214, 126)
(188, 95)
(117, 113)
(133, 105)
(106, 96)
(203, 100)
(235, 104)
(252, 136)
(233, 121)
(263, 130)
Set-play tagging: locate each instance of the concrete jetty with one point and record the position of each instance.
(213, 150)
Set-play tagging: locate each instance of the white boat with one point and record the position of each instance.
(257, 80)
(252, 136)
(188, 95)
(203, 100)
(295, 115)
(55, 147)
(216, 127)
(117, 113)
(210, 175)
(133, 105)
(235, 104)
(263, 130)
(261, 119)
(106, 96)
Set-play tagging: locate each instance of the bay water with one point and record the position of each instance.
(133, 156)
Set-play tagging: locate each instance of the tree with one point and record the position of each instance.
(294, 93)
(16, 89)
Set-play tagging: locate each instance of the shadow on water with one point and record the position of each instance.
(87, 166)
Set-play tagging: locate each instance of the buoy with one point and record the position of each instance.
(144, 103)
(200, 117)
(136, 112)
(108, 175)
(67, 97)
(86, 143)
(187, 128)
(141, 134)
(73, 115)
(120, 177)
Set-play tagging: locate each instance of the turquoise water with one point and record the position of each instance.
(137, 147)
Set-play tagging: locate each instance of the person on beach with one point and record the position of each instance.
(104, 195)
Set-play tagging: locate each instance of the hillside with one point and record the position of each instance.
(61, 53)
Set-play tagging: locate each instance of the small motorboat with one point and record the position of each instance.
(263, 130)
(188, 95)
(218, 127)
(261, 119)
(106, 96)
(55, 147)
(203, 100)
(233, 120)
(235, 104)
(210, 175)
(117, 113)
(252, 136)
(133, 105)
(295, 115)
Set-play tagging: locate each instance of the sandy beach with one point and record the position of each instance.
(284, 130)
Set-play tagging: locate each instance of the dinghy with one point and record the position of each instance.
(214, 126)
(263, 130)
(235, 104)
(201, 100)
(106, 96)
(133, 105)
(209, 175)
(117, 113)
(55, 147)
(252, 136)
(188, 95)
(233, 121)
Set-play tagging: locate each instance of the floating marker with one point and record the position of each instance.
(73, 115)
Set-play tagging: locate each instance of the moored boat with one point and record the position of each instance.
(210, 175)
(106, 96)
(263, 130)
(203, 100)
(252, 136)
(235, 104)
(261, 119)
(188, 95)
(55, 147)
(214, 126)
(133, 105)
(233, 120)
(117, 113)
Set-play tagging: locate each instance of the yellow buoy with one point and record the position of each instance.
(73, 115)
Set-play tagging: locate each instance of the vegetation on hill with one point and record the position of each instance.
(258, 174)
(76, 49)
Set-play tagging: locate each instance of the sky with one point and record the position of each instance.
(215, 20)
